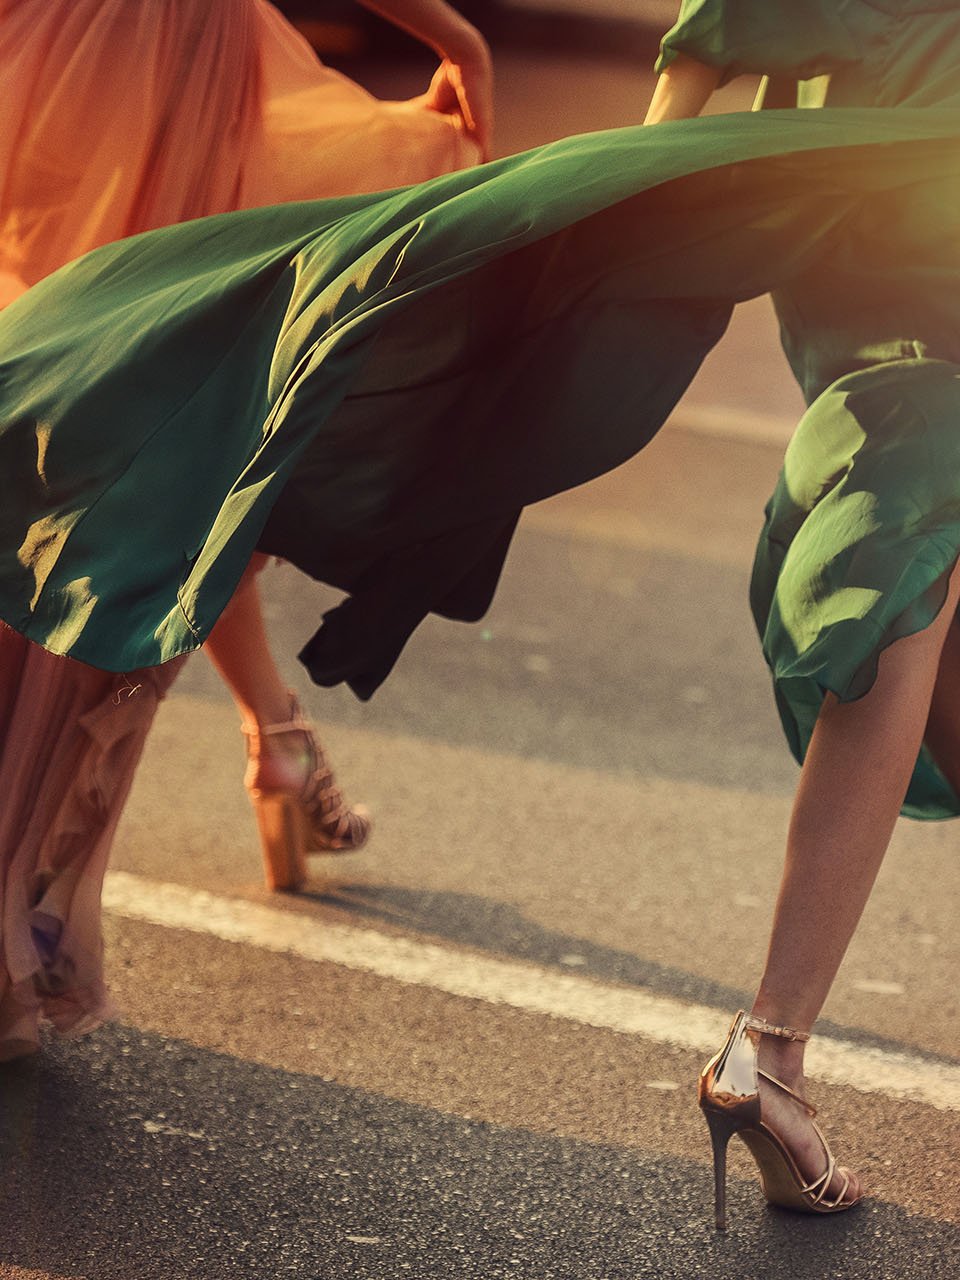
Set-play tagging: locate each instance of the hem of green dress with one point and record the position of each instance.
(152, 655)
(941, 800)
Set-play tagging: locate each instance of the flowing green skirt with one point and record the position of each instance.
(373, 387)
(860, 535)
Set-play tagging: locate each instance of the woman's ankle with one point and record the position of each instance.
(780, 1056)
(281, 762)
(783, 1060)
(271, 707)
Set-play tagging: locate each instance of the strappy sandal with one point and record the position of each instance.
(315, 818)
(730, 1100)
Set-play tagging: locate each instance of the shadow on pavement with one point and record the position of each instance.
(125, 1155)
(499, 929)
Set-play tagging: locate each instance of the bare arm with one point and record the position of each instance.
(682, 90)
(464, 82)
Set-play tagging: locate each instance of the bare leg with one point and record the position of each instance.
(239, 649)
(942, 735)
(290, 762)
(851, 788)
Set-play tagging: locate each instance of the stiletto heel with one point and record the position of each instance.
(729, 1094)
(310, 818)
(722, 1129)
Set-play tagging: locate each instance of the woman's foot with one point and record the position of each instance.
(786, 1117)
(740, 1094)
(285, 759)
(281, 761)
(299, 807)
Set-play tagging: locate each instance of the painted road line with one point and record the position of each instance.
(529, 987)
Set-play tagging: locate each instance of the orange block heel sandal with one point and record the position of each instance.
(311, 818)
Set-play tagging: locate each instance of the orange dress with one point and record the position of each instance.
(118, 116)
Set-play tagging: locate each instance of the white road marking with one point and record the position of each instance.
(529, 987)
(879, 987)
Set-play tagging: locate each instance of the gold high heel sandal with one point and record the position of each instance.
(313, 819)
(730, 1100)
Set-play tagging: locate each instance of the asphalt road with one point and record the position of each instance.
(590, 784)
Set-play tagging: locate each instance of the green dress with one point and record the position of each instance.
(865, 521)
(374, 387)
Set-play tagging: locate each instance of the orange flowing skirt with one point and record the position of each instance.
(118, 116)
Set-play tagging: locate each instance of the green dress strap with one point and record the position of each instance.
(797, 39)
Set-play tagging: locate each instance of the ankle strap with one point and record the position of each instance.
(768, 1029)
(264, 730)
(296, 723)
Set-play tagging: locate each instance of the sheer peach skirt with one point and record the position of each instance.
(117, 116)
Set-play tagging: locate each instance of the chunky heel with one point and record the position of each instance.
(722, 1128)
(280, 822)
(313, 817)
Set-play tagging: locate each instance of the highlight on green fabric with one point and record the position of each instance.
(834, 53)
(860, 535)
(157, 396)
(801, 39)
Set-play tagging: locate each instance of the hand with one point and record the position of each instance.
(464, 87)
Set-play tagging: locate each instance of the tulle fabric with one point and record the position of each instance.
(119, 116)
(70, 739)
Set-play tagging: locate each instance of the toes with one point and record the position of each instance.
(854, 1186)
